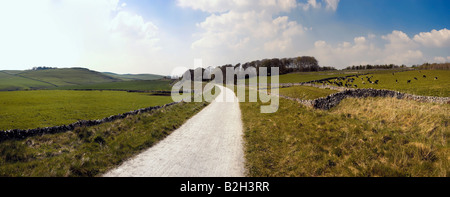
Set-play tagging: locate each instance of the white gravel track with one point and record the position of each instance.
(208, 145)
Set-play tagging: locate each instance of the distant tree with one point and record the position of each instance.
(43, 68)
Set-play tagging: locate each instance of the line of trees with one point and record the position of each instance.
(288, 65)
(285, 65)
(43, 68)
(434, 66)
(369, 66)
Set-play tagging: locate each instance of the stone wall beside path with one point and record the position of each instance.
(22, 134)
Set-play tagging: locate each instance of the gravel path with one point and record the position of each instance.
(207, 145)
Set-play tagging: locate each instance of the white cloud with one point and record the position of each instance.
(399, 49)
(332, 4)
(214, 6)
(442, 59)
(310, 4)
(434, 38)
(245, 32)
(315, 4)
(96, 34)
(133, 26)
(371, 36)
(398, 40)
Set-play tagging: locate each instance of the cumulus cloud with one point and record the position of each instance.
(398, 40)
(332, 4)
(213, 6)
(310, 4)
(245, 29)
(434, 38)
(442, 59)
(133, 26)
(315, 4)
(398, 49)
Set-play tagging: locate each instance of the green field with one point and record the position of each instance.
(139, 85)
(301, 77)
(11, 82)
(422, 86)
(306, 77)
(91, 151)
(305, 92)
(44, 108)
(132, 77)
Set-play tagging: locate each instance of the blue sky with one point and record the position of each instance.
(410, 16)
(163, 36)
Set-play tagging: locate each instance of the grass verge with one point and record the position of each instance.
(91, 151)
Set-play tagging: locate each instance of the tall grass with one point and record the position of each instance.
(359, 138)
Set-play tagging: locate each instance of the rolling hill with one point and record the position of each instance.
(132, 77)
(68, 76)
(11, 80)
(136, 85)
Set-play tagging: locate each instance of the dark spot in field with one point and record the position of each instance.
(374, 130)
(331, 163)
(337, 152)
(386, 139)
(99, 140)
(29, 142)
(405, 142)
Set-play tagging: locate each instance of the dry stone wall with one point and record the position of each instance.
(333, 100)
(22, 134)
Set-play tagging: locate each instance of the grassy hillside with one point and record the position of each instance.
(10, 82)
(427, 86)
(68, 76)
(41, 79)
(300, 77)
(361, 137)
(140, 85)
(305, 92)
(132, 77)
(44, 108)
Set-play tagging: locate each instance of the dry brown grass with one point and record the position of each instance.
(407, 115)
(376, 137)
